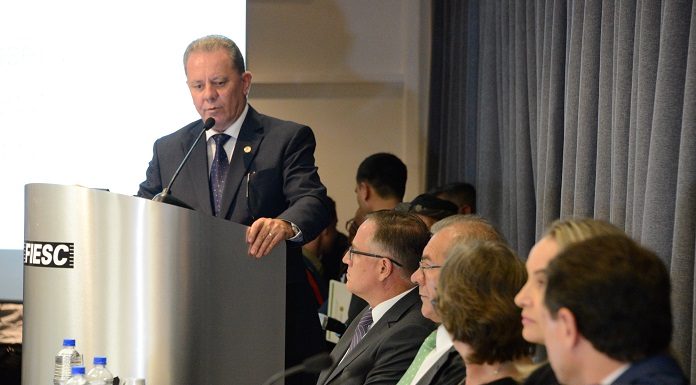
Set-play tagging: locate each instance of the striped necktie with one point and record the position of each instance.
(218, 171)
(361, 330)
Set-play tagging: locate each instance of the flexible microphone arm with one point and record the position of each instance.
(164, 195)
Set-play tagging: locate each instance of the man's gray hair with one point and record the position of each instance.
(468, 228)
(212, 43)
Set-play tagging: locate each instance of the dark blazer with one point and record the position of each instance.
(656, 370)
(448, 370)
(272, 174)
(386, 351)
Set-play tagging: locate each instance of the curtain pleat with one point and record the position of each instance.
(585, 108)
(684, 238)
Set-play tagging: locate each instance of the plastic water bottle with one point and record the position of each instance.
(66, 359)
(78, 376)
(99, 375)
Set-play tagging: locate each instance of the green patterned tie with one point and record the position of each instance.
(427, 347)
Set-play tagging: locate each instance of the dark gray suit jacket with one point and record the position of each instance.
(272, 174)
(448, 370)
(386, 351)
(656, 370)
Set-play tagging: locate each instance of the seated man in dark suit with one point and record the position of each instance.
(609, 316)
(382, 340)
(442, 364)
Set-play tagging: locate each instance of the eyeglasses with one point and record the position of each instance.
(352, 251)
(425, 266)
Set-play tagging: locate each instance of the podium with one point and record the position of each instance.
(166, 293)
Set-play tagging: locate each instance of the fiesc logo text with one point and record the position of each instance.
(49, 254)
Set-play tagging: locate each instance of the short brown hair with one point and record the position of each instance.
(403, 235)
(476, 292)
(618, 292)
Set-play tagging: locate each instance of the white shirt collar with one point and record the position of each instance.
(608, 380)
(443, 342)
(234, 128)
(233, 131)
(381, 309)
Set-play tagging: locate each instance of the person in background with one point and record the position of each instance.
(251, 169)
(381, 342)
(428, 208)
(608, 315)
(559, 235)
(438, 362)
(323, 255)
(461, 194)
(475, 300)
(11, 316)
(380, 184)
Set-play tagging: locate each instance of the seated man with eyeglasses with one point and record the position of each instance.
(437, 361)
(382, 340)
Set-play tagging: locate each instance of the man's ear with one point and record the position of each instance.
(246, 83)
(386, 267)
(569, 327)
(364, 191)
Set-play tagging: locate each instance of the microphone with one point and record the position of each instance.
(164, 196)
(314, 364)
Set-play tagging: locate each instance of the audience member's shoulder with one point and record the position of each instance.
(657, 370)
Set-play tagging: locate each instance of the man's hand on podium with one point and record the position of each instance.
(265, 233)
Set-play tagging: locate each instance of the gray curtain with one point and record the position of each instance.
(559, 108)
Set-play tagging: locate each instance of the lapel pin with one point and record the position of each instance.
(247, 149)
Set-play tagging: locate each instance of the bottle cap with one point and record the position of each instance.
(99, 360)
(78, 370)
(68, 342)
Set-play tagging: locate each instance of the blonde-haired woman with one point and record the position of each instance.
(559, 235)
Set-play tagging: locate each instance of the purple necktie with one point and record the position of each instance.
(361, 330)
(218, 171)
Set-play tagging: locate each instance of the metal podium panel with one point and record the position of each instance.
(167, 294)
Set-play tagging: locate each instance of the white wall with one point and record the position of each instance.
(356, 71)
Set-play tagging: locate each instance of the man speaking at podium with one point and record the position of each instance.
(252, 169)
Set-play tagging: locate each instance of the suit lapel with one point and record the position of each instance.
(341, 348)
(375, 333)
(430, 374)
(198, 161)
(250, 137)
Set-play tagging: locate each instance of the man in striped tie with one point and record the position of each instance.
(382, 340)
(437, 362)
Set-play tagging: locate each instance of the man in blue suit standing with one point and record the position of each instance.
(609, 318)
(252, 169)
